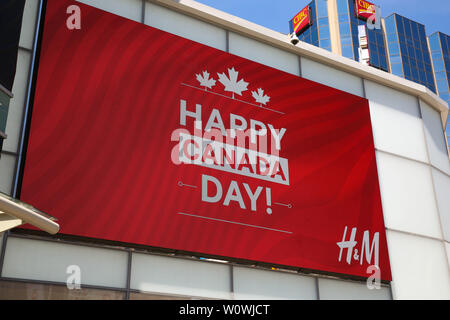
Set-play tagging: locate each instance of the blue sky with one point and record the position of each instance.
(434, 14)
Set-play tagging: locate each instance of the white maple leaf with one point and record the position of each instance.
(231, 82)
(205, 81)
(260, 96)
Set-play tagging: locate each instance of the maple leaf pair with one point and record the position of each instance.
(231, 84)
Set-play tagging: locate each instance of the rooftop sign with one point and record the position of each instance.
(301, 21)
(365, 10)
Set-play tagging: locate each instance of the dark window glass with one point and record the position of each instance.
(407, 70)
(400, 27)
(374, 59)
(403, 49)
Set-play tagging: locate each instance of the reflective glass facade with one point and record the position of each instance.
(408, 50)
(348, 34)
(319, 33)
(440, 56)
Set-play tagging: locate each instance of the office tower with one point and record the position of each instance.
(408, 50)
(311, 24)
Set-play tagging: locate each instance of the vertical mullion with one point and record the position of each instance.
(3, 250)
(143, 12)
(130, 258)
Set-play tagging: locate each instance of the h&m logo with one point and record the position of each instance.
(367, 249)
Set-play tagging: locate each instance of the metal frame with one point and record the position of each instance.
(128, 290)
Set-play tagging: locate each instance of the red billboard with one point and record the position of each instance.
(140, 136)
(365, 10)
(301, 20)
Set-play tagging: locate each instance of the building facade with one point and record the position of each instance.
(440, 55)
(409, 148)
(408, 50)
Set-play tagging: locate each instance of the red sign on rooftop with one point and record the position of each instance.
(301, 21)
(365, 10)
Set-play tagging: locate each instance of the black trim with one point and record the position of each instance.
(11, 15)
(29, 106)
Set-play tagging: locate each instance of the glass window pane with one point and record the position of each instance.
(325, 43)
(436, 55)
(347, 52)
(394, 49)
(343, 18)
(374, 59)
(438, 65)
(268, 285)
(12, 290)
(415, 33)
(344, 30)
(390, 25)
(383, 63)
(440, 75)
(324, 32)
(380, 38)
(152, 273)
(323, 22)
(322, 8)
(396, 59)
(442, 85)
(421, 29)
(434, 42)
(99, 266)
(403, 48)
(342, 6)
(346, 41)
(399, 21)
(330, 289)
(392, 37)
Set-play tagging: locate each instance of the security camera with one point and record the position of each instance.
(293, 38)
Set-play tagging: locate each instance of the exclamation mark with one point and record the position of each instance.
(269, 200)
